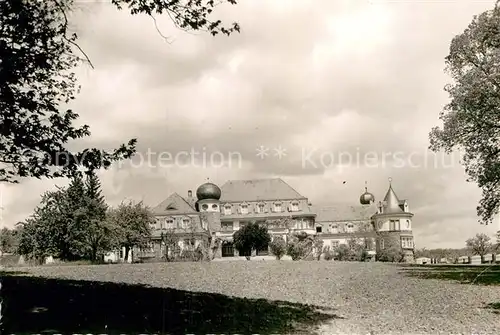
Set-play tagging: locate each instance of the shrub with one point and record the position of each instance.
(278, 247)
(328, 254)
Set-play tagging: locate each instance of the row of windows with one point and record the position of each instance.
(406, 242)
(261, 208)
(395, 225)
(150, 247)
(169, 223)
(229, 226)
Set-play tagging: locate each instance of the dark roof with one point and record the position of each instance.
(344, 212)
(258, 190)
(391, 202)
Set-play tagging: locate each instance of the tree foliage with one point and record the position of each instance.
(38, 56)
(278, 247)
(479, 244)
(133, 221)
(36, 82)
(300, 245)
(343, 253)
(70, 224)
(251, 237)
(9, 240)
(391, 252)
(471, 121)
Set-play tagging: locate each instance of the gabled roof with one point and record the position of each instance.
(174, 204)
(344, 212)
(258, 189)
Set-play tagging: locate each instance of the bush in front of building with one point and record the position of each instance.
(328, 253)
(300, 246)
(278, 247)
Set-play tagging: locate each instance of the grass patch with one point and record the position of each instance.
(465, 274)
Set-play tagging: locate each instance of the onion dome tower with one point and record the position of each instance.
(366, 198)
(208, 205)
(208, 196)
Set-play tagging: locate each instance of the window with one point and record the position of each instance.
(318, 229)
(295, 206)
(394, 225)
(260, 208)
(154, 225)
(227, 210)
(277, 207)
(226, 226)
(334, 228)
(407, 224)
(185, 223)
(169, 223)
(150, 247)
(335, 244)
(382, 243)
(244, 209)
(350, 227)
(204, 207)
(214, 207)
(407, 242)
(122, 254)
(189, 243)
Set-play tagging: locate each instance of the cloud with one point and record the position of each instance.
(359, 81)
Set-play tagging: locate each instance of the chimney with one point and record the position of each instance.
(190, 194)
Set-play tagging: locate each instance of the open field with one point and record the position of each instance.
(465, 274)
(245, 297)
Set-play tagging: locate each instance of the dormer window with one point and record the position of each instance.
(155, 224)
(244, 209)
(169, 223)
(277, 207)
(260, 208)
(294, 207)
(228, 210)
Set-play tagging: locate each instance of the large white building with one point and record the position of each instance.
(217, 212)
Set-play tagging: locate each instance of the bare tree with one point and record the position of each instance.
(170, 240)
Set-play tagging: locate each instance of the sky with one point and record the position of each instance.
(316, 92)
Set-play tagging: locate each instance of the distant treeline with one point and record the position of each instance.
(443, 253)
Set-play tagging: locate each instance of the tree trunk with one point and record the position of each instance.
(93, 256)
(127, 249)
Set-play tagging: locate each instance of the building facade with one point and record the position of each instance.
(218, 212)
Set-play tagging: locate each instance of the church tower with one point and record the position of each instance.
(393, 226)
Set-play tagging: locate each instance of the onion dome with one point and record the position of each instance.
(208, 191)
(366, 198)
